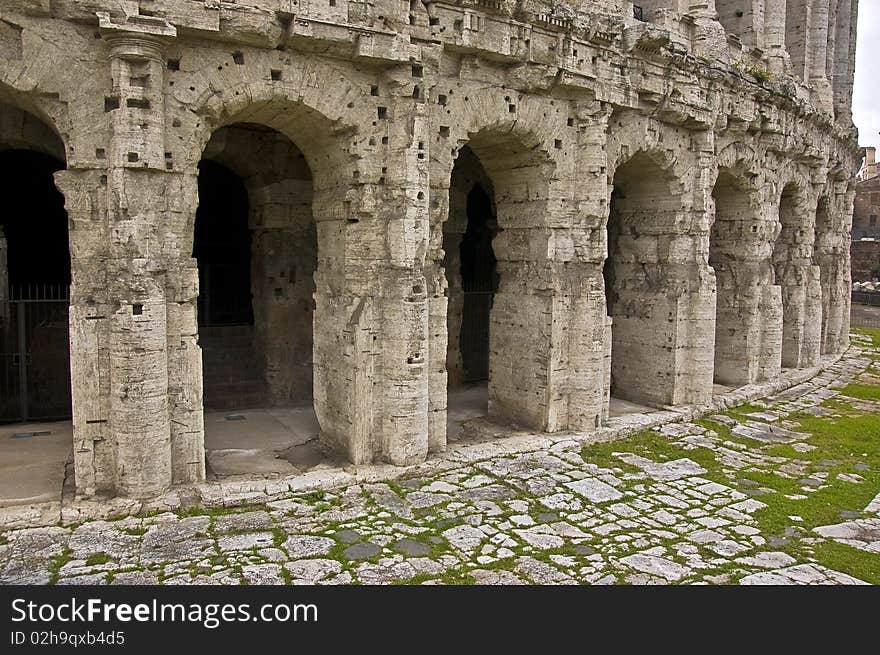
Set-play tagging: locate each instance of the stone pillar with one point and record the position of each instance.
(799, 280)
(404, 294)
(140, 198)
(94, 445)
(585, 336)
(774, 36)
(437, 271)
(709, 39)
(832, 257)
(740, 244)
(818, 76)
(185, 398)
(744, 19)
(371, 314)
(798, 30)
(844, 60)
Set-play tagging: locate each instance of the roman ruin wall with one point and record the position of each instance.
(668, 197)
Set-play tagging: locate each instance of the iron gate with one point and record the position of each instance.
(478, 291)
(35, 355)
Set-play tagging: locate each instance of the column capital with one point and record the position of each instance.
(138, 37)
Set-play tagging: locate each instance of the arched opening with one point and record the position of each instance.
(472, 279)
(799, 281)
(782, 254)
(639, 286)
(735, 330)
(497, 308)
(824, 258)
(35, 275)
(256, 245)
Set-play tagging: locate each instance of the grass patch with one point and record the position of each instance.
(314, 496)
(96, 559)
(852, 561)
(743, 411)
(841, 442)
(862, 391)
(188, 512)
(648, 444)
(134, 532)
(874, 333)
(57, 562)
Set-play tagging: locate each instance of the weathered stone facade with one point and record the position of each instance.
(707, 151)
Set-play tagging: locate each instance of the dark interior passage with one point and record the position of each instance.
(613, 235)
(256, 245)
(33, 219)
(222, 247)
(34, 282)
(479, 282)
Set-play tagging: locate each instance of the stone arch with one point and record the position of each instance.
(746, 301)
(35, 265)
(517, 178)
(282, 252)
(792, 261)
(823, 258)
(24, 130)
(516, 138)
(336, 209)
(49, 128)
(525, 145)
(652, 258)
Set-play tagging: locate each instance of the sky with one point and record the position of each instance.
(866, 97)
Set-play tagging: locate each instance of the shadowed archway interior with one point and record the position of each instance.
(34, 282)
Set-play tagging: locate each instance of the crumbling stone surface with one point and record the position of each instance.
(671, 198)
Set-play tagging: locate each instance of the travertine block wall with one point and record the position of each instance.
(346, 123)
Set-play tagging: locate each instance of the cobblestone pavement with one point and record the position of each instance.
(780, 492)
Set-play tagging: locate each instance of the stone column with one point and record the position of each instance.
(774, 36)
(818, 43)
(832, 257)
(740, 244)
(371, 314)
(798, 30)
(584, 326)
(743, 18)
(94, 444)
(139, 198)
(404, 294)
(844, 60)
(799, 280)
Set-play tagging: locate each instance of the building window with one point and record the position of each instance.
(873, 220)
(875, 198)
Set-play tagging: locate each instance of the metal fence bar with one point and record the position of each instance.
(35, 353)
(22, 366)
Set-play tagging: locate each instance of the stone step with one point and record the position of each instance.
(230, 374)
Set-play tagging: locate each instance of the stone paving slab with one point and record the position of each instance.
(549, 516)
